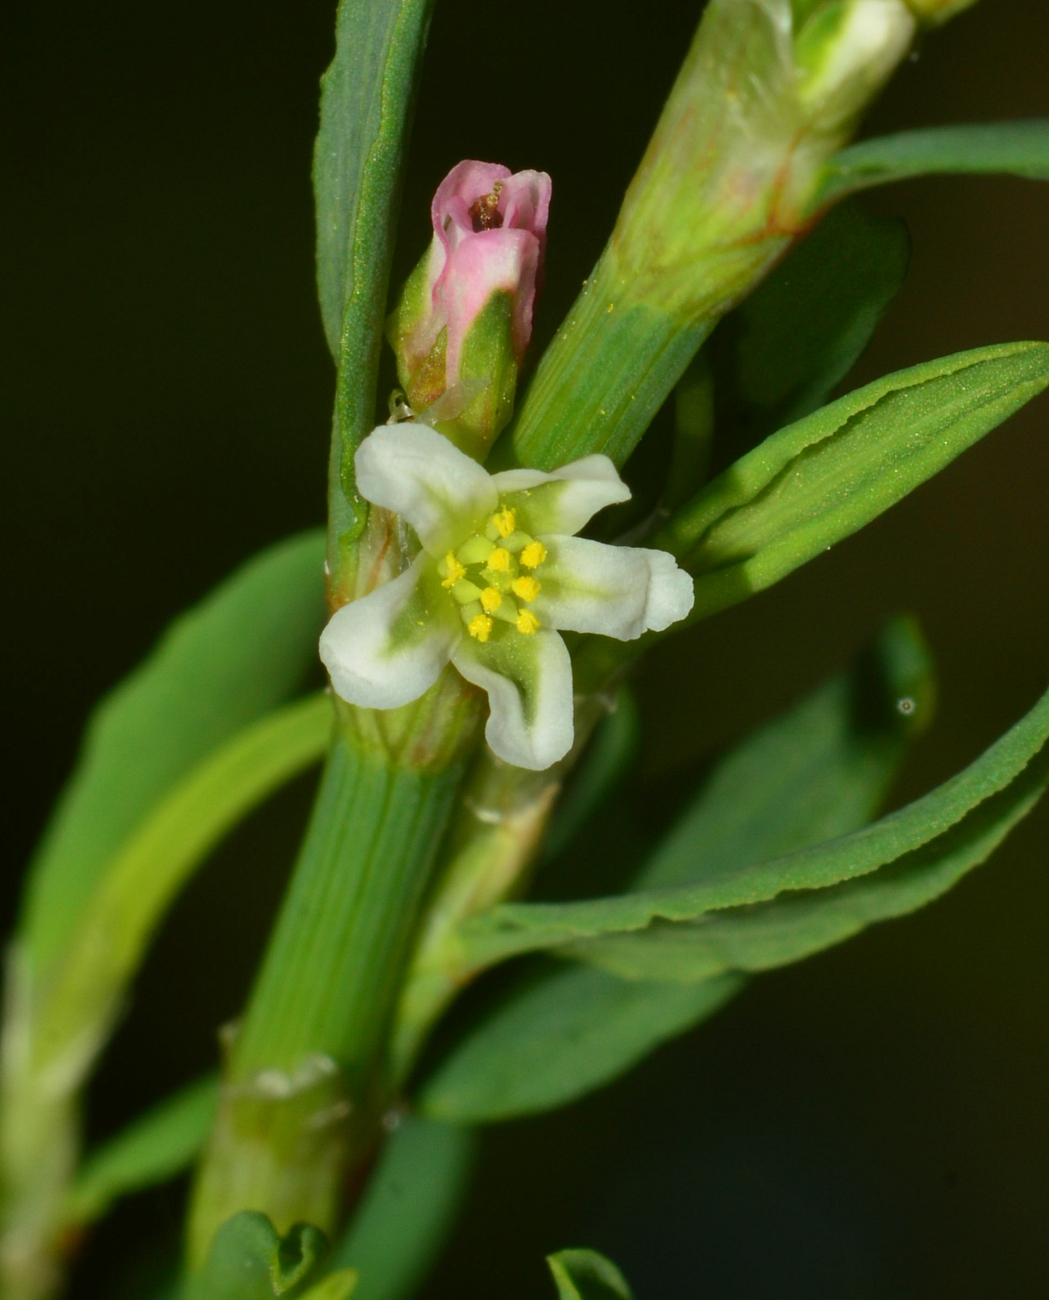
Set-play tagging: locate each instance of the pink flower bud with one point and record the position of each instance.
(465, 318)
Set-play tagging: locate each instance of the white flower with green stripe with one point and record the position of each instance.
(500, 574)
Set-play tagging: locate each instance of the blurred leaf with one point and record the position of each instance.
(570, 1032)
(116, 922)
(409, 1208)
(150, 1150)
(773, 934)
(249, 1261)
(820, 480)
(1018, 148)
(586, 1275)
(336, 1286)
(614, 748)
(819, 771)
(783, 350)
(522, 927)
(243, 650)
(694, 423)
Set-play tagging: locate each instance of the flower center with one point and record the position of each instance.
(491, 577)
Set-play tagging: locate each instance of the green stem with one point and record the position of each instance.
(491, 849)
(304, 1085)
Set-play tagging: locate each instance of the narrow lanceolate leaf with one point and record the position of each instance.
(773, 934)
(222, 666)
(521, 927)
(780, 354)
(103, 951)
(574, 1030)
(408, 1210)
(820, 771)
(821, 479)
(153, 1149)
(586, 1275)
(367, 100)
(1017, 148)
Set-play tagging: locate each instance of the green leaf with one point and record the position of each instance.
(226, 663)
(117, 920)
(409, 1208)
(521, 927)
(780, 354)
(573, 1030)
(774, 934)
(820, 480)
(151, 1150)
(586, 1275)
(366, 102)
(249, 1261)
(613, 749)
(336, 1286)
(367, 97)
(1017, 148)
(820, 771)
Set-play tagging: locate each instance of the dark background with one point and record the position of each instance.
(869, 1123)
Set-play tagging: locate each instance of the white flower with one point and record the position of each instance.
(499, 574)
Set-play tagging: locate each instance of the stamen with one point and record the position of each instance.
(491, 600)
(499, 560)
(480, 627)
(504, 522)
(526, 588)
(527, 622)
(533, 555)
(453, 569)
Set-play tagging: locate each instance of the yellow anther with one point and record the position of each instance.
(480, 627)
(455, 570)
(491, 600)
(499, 560)
(526, 588)
(504, 521)
(533, 555)
(527, 622)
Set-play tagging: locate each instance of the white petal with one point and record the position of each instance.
(617, 591)
(529, 685)
(389, 647)
(564, 501)
(415, 472)
(671, 592)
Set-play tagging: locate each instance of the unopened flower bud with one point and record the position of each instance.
(464, 319)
